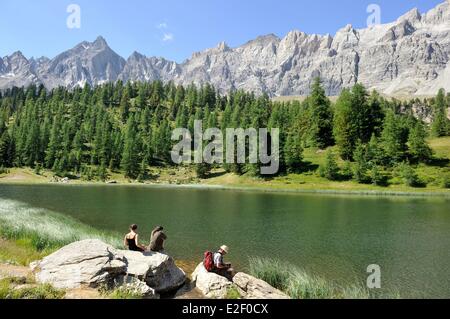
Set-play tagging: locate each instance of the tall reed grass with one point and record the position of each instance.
(44, 229)
(298, 284)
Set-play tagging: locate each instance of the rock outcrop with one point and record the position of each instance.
(408, 56)
(217, 287)
(253, 288)
(155, 269)
(89, 263)
(211, 285)
(94, 264)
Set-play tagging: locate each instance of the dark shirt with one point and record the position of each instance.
(157, 241)
(132, 245)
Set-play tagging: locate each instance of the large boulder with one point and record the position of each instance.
(210, 284)
(249, 287)
(87, 263)
(93, 264)
(253, 288)
(157, 270)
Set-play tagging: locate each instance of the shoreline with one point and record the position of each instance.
(278, 189)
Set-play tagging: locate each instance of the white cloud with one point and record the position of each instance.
(168, 37)
(162, 25)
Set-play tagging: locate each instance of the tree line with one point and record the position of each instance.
(127, 127)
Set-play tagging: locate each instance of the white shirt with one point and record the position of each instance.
(218, 259)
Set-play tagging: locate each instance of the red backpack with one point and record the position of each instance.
(208, 261)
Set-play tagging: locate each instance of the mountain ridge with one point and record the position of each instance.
(408, 56)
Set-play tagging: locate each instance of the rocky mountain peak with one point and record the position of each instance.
(100, 42)
(136, 56)
(411, 16)
(18, 57)
(438, 15)
(411, 55)
(222, 46)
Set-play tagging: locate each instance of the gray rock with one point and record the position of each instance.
(249, 287)
(136, 286)
(157, 270)
(210, 284)
(87, 263)
(253, 288)
(409, 56)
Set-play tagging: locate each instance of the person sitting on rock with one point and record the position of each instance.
(157, 240)
(131, 240)
(221, 268)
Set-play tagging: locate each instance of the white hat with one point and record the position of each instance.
(224, 248)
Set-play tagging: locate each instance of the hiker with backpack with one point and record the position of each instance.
(214, 263)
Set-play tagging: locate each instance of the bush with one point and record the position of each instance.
(4, 170)
(446, 181)
(330, 170)
(38, 169)
(377, 177)
(347, 172)
(409, 176)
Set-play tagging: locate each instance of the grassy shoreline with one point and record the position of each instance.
(230, 182)
(310, 182)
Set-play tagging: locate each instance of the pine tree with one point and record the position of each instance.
(5, 150)
(440, 126)
(357, 118)
(124, 107)
(419, 150)
(130, 161)
(344, 131)
(374, 153)
(53, 148)
(394, 138)
(360, 173)
(321, 117)
(293, 153)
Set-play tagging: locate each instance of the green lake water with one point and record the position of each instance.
(335, 237)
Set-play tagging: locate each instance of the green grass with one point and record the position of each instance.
(233, 293)
(120, 293)
(20, 252)
(298, 284)
(44, 230)
(434, 176)
(10, 289)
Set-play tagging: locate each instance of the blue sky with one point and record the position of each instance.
(176, 28)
